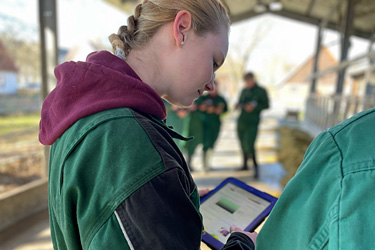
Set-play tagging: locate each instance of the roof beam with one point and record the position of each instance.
(363, 14)
(244, 16)
(311, 7)
(316, 21)
(342, 65)
(307, 18)
(334, 9)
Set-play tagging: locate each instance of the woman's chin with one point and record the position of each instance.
(183, 103)
(188, 103)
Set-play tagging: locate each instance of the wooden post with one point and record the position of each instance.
(49, 55)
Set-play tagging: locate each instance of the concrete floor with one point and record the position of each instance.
(34, 234)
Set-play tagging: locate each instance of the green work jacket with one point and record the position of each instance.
(330, 202)
(211, 119)
(194, 128)
(258, 96)
(118, 181)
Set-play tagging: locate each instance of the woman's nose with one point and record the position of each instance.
(210, 86)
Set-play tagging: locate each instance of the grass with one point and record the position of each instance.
(16, 123)
(20, 150)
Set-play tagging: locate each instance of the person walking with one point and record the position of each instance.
(252, 101)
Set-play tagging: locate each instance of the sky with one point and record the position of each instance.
(287, 41)
(291, 41)
(78, 20)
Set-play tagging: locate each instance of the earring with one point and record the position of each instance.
(183, 40)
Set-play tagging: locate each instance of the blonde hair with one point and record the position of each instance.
(149, 16)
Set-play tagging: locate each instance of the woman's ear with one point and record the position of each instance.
(181, 26)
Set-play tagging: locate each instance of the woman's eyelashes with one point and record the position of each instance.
(216, 66)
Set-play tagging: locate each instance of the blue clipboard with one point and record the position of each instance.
(222, 202)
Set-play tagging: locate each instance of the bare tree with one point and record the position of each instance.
(242, 48)
(25, 52)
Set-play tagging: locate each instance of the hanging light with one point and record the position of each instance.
(275, 6)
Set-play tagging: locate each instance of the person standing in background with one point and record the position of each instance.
(252, 101)
(213, 105)
(195, 130)
(177, 119)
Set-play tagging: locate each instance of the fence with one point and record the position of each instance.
(328, 111)
(10, 104)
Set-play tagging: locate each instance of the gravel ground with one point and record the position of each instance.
(21, 157)
(20, 172)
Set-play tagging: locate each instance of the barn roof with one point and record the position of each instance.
(6, 61)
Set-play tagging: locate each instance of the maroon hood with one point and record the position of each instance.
(103, 82)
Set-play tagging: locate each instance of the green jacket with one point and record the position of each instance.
(210, 118)
(117, 173)
(329, 204)
(179, 124)
(258, 96)
(194, 127)
(116, 180)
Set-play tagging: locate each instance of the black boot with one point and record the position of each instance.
(245, 157)
(256, 174)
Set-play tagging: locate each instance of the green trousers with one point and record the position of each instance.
(247, 134)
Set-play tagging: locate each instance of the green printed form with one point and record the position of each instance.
(228, 205)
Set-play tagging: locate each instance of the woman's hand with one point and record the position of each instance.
(203, 192)
(253, 236)
(249, 107)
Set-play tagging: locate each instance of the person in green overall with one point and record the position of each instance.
(194, 129)
(176, 119)
(252, 101)
(213, 105)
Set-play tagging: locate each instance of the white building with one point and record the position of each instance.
(8, 73)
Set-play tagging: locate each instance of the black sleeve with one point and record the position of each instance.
(239, 241)
(160, 215)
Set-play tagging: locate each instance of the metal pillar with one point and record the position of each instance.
(348, 29)
(371, 65)
(316, 62)
(49, 55)
(345, 44)
(369, 97)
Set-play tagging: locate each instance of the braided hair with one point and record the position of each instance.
(150, 15)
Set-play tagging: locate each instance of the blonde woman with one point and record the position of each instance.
(117, 180)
